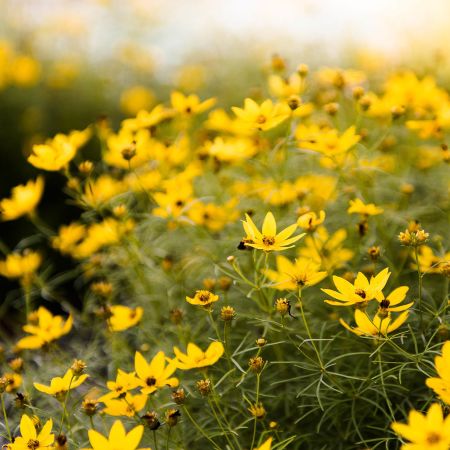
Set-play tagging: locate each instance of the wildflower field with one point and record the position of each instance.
(264, 273)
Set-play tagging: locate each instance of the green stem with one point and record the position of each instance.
(419, 274)
(380, 364)
(64, 413)
(168, 438)
(199, 428)
(155, 441)
(258, 377)
(27, 293)
(8, 430)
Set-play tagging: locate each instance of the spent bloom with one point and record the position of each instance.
(23, 200)
(428, 431)
(195, 357)
(267, 239)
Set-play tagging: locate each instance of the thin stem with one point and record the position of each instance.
(380, 364)
(199, 428)
(8, 430)
(27, 292)
(168, 437)
(419, 274)
(258, 377)
(155, 441)
(64, 413)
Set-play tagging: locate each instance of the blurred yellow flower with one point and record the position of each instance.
(358, 207)
(60, 386)
(202, 298)
(441, 383)
(196, 358)
(21, 265)
(190, 104)
(267, 445)
(425, 432)
(24, 199)
(294, 276)
(262, 117)
(117, 438)
(25, 71)
(310, 221)
(135, 99)
(56, 153)
(124, 382)
(44, 328)
(124, 317)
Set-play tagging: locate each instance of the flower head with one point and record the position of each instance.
(441, 384)
(267, 445)
(361, 291)
(425, 432)
(118, 438)
(47, 328)
(155, 374)
(202, 298)
(21, 265)
(24, 199)
(267, 239)
(59, 386)
(123, 317)
(358, 207)
(30, 438)
(196, 357)
(190, 104)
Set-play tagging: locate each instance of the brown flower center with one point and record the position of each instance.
(261, 119)
(150, 381)
(360, 292)
(433, 438)
(33, 444)
(385, 304)
(268, 240)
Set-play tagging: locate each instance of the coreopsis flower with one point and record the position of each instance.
(202, 298)
(24, 199)
(123, 317)
(441, 384)
(231, 149)
(118, 438)
(147, 119)
(30, 438)
(124, 382)
(60, 386)
(21, 265)
(44, 329)
(56, 153)
(362, 291)
(428, 431)
(175, 201)
(310, 221)
(358, 207)
(391, 303)
(267, 445)
(190, 104)
(326, 141)
(286, 87)
(413, 238)
(214, 217)
(292, 276)
(327, 250)
(257, 410)
(376, 326)
(13, 381)
(267, 239)
(429, 262)
(68, 237)
(262, 117)
(196, 357)
(155, 375)
(127, 406)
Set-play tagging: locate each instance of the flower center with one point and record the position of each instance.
(360, 292)
(150, 381)
(385, 304)
(33, 444)
(433, 438)
(261, 119)
(268, 240)
(203, 297)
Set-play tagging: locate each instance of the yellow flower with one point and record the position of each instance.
(426, 432)
(267, 239)
(14, 381)
(310, 221)
(24, 199)
(262, 117)
(267, 445)
(429, 262)
(47, 329)
(391, 302)
(21, 265)
(202, 298)
(326, 249)
(358, 207)
(361, 291)
(294, 276)
(231, 149)
(124, 382)
(56, 153)
(30, 438)
(60, 386)
(327, 141)
(146, 119)
(126, 406)
(285, 87)
(68, 237)
(213, 216)
(156, 374)
(195, 357)
(118, 438)
(124, 317)
(377, 326)
(441, 384)
(190, 104)
(135, 99)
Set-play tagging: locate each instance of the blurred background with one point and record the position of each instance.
(66, 63)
